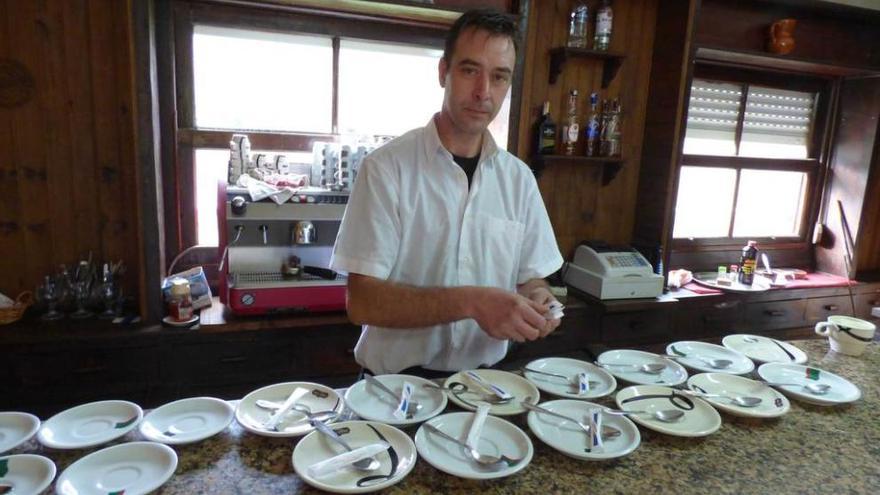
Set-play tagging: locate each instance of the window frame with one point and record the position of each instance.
(179, 123)
(814, 166)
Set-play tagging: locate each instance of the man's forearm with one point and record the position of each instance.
(392, 305)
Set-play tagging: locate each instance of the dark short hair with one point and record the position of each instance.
(492, 20)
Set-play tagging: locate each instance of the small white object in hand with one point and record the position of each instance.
(334, 464)
(555, 312)
(403, 406)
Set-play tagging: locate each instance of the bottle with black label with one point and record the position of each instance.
(545, 133)
(748, 263)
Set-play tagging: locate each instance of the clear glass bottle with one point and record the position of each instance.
(577, 26)
(571, 130)
(604, 21)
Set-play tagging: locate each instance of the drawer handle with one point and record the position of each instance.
(831, 307)
(774, 312)
(726, 305)
(233, 359)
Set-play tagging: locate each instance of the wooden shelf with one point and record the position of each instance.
(611, 165)
(611, 62)
(780, 62)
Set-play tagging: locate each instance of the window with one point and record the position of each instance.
(749, 160)
(289, 80)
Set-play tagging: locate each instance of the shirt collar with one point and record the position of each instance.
(433, 143)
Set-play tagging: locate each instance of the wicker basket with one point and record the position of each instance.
(14, 313)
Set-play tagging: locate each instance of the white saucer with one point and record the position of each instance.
(765, 350)
(569, 367)
(842, 390)
(773, 404)
(693, 350)
(294, 424)
(674, 374)
(700, 421)
(168, 320)
(26, 473)
(572, 441)
(395, 464)
(498, 437)
(16, 428)
(187, 420)
(371, 403)
(515, 385)
(135, 468)
(90, 424)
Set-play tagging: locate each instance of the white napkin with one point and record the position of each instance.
(258, 190)
(555, 312)
(473, 437)
(275, 418)
(333, 464)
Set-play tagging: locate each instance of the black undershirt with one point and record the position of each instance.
(469, 165)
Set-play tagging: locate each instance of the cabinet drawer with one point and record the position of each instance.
(572, 335)
(233, 361)
(327, 353)
(718, 318)
(84, 367)
(821, 308)
(643, 326)
(775, 315)
(864, 304)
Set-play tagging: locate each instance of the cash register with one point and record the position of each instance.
(612, 272)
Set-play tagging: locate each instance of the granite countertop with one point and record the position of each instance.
(812, 449)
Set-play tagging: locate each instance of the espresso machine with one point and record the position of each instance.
(275, 256)
(275, 252)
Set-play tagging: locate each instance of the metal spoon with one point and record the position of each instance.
(665, 415)
(571, 380)
(740, 400)
(490, 398)
(412, 408)
(607, 431)
(367, 464)
(649, 368)
(718, 364)
(300, 408)
(482, 459)
(813, 388)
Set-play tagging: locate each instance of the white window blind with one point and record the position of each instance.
(777, 123)
(713, 112)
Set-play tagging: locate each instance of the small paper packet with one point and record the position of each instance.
(555, 312)
(583, 383)
(595, 419)
(403, 405)
(335, 463)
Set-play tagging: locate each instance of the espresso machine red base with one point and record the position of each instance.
(259, 242)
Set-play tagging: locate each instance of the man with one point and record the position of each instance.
(446, 239)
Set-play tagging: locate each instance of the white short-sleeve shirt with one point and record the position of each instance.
(412, 219)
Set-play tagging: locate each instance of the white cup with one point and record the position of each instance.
(847, 335)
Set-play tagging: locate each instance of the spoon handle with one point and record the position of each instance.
(326, 430)
(530, 370)
(437, 431)
(381, 386)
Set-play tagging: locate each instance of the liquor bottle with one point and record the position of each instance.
(577, 26)
(592, 127)
(748, 263)
(604, 19)
(571, 130)
(609, 135)
(545, 132)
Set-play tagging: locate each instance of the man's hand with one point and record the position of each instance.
(544, 297)
(505, 315)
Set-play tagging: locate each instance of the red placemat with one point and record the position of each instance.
(819, 279)
(700, 289)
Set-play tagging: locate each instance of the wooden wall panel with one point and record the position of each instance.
(67, 161)
(580, 208)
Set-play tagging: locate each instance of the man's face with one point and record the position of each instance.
(476, 79)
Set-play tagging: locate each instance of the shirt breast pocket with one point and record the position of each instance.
(495, 251)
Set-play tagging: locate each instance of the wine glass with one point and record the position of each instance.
(108, 294)
(48, 292)
(81, 293)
